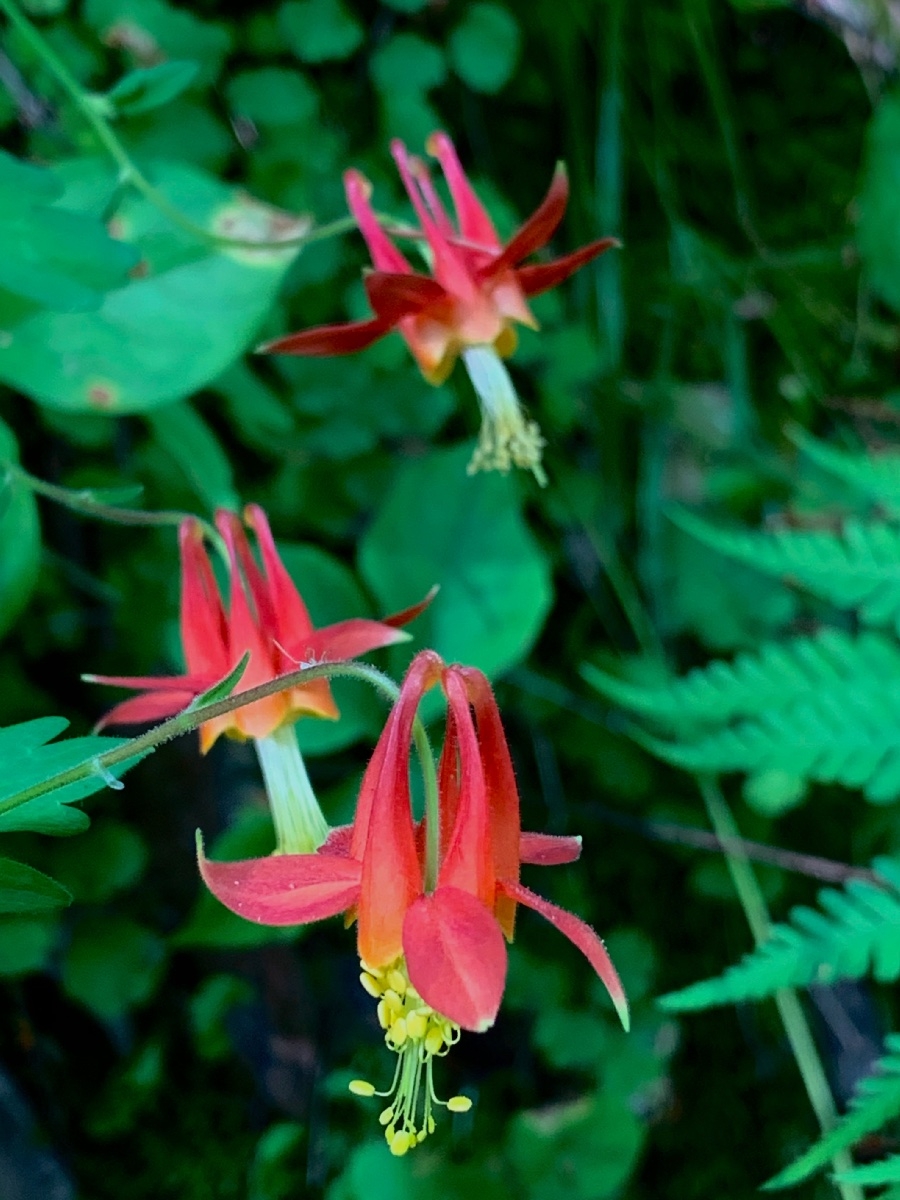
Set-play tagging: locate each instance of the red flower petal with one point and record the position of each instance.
(329, 339)
(155, 683)
(153, 706)
(337, 842)
(548, 850)
(345, 639)
(474, 223)
(406, 615)
(385, 254)
(544, 276)
(285, 889)
(394, 296)
(580, 934)
(538, 229)
(291, 614)
(204, 635)
(456, 957)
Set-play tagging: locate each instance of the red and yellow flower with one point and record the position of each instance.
(432, 902)
(266, 617)
(470, 302)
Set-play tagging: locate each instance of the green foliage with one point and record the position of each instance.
(495, 588)
(876, 1100)
(856, 934)
(147, 88)
(873, 475)
(111, 964)
(20, 536)
(25, 890)
(319, 30)
(879, 208)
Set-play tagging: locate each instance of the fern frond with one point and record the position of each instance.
(857, 932)
(875, 1174)
(877, 1100)
(876, 476)
(858, 568)
(775, 676)
(846, 735)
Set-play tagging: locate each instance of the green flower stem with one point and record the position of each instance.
(790, 1009)
(191, 718)
(84, 502)
(131, 173)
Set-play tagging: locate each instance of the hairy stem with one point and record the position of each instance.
(790, 1010)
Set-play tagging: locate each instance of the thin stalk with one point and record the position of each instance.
(84, 502)
(790, 1009)
(192, 718)
(131, 173)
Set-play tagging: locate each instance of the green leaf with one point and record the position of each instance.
(597, 1139)
(104, 861)
(210, 302)
(873, 475)
(28, 760)
(25, 890)
(484, 47)
(407, 6)
(407, 63)
(878, 228)
(858, 933)
(187, 438)
(20, 537)
(875, 1102)
(210, 1009)
(112, 964)
(874, 1174)
(52, 257)
(26, 943)
(495, 581)
(153, 30)
(319, 30)
(150, 87)
(223, 689)
(273, 96)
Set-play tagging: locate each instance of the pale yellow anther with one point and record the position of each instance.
(389, 1134)
(401, 1142)
(416, 1025)
(459, 1104)
(434, 1041)
(397, 1032)
(378, 974)
(397, 981)
(371, 984)
(361, 1087)
(384, 1017)
(386, 1116)
(430, 1124)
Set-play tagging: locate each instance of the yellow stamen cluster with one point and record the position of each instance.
(417, 1034)
(507, 438)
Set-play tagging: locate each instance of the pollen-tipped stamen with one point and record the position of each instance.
(417, 1035)
(507, 438)
(300, 827)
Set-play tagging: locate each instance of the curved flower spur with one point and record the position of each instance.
(266, 616)
(477, 291)
(432, 902)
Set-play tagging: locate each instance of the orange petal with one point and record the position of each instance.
(456, 957)
(581, 935)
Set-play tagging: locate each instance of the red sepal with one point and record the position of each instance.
(538, 229)
(152, 706)
(581, 935)
(456, 957)
(395, 296)
(329, 339)
(544, 276)
(548, 849)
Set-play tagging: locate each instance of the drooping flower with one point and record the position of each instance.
(469, 304)
(266, 617)
(430, 922)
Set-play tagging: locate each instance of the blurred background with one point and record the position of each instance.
(748, 156)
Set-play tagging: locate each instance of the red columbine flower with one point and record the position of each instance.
(432, 949)
(267, 617)
(469, 304)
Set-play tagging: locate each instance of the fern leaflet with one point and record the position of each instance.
(858, 568)
(858, 930)
(875, 1174)
(876, 1101)
(876, 476)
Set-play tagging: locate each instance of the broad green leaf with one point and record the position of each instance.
(187, 438)
(878, 230)
(29, 757)
(484, 47)
(273, 96)
(95, 867)
(53, 258)
(26, 943)
(153, 30)
(20, 537)
(438, 525)
(319, 30)
(584, 1148)
(25, 890)
(407, 63)
(146, 88)
(112, 964)
(193, 310)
